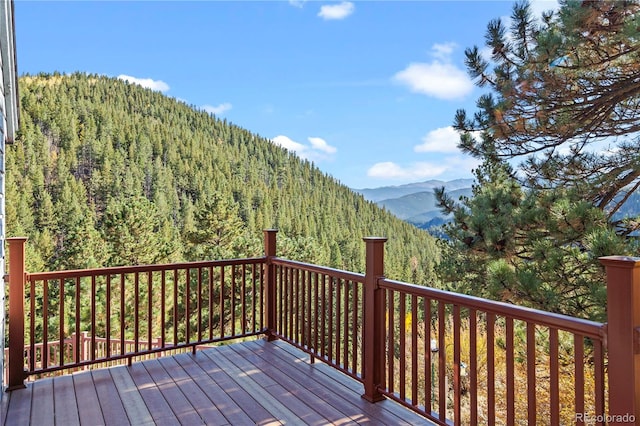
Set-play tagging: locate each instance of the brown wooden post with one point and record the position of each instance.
(16, 312)
(623, 343)
(374, 314)
(270, 284)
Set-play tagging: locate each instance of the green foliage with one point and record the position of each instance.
(558, 85)
(108, 173)
(531, 247)
(564, 98)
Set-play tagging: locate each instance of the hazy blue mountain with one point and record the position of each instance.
(419, 205)
(390, 192)
(416, 203)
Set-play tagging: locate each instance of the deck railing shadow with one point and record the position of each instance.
(455, 359)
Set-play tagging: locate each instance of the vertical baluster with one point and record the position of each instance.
(150, 309)
(163, 296)
(123, 348)
(414, 350)
(338, 320)
(210, 271)
(309, 317)
(456, 365)
(175, 307)
(296, 315)
(221, 307)
(491, 386)
(599, 378)
(316, 320)
(233, 300)
(554, 376)
(442, 378)
(391, 338)
(403, 334)
(254, 297)
(282, 294)
(32, 325)
(345, 346)
(77, 326)
(108, 317)
(331, 314)
(531, 373)
(428, 362)
(243, 299)
(93, 318)
(473, 366)
(187, 305)
(578, 362)
(323, 329)
(136, 312)
(61, 332)
(354, 328)
(199, 308)
(510, 372)
(262, 285)
(303, 309)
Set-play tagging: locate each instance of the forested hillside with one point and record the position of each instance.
(108, 173)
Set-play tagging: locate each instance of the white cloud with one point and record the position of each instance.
(317, 150)
(148, 83)
(297, 3)
(438, 78)
(454, 165)
(444, 139)
(337, 11)
(443, 51)
(539, 6)
(321, 145)
(287, 143)
(390, 170)
(217, 110)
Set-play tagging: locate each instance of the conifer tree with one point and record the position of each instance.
(560, 87)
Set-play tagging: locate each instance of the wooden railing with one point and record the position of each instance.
(454, 358)
(183, 305)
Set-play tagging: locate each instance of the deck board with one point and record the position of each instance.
(207, 410)
(134, 405)
(19, 411)
(254, 382)
(305, 388)
(110, 402)
(65, 405)
(42, 412)
(89, 410)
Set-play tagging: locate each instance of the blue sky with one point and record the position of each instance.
(367, 90)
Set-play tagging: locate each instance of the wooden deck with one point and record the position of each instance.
(257, 382)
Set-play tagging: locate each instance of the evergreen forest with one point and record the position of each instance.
(107, 173)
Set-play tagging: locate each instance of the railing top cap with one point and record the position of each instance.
(383, 239)
(620, 261)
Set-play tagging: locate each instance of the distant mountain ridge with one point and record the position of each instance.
(391, 192)
(416, 202)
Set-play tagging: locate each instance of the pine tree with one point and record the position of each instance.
(564, 97)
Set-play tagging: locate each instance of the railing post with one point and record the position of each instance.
(623, 342)
(16, 312)
(270, 284)
(374, 315)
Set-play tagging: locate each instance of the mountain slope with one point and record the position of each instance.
(106, 173)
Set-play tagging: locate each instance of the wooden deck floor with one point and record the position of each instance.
(240, 384)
